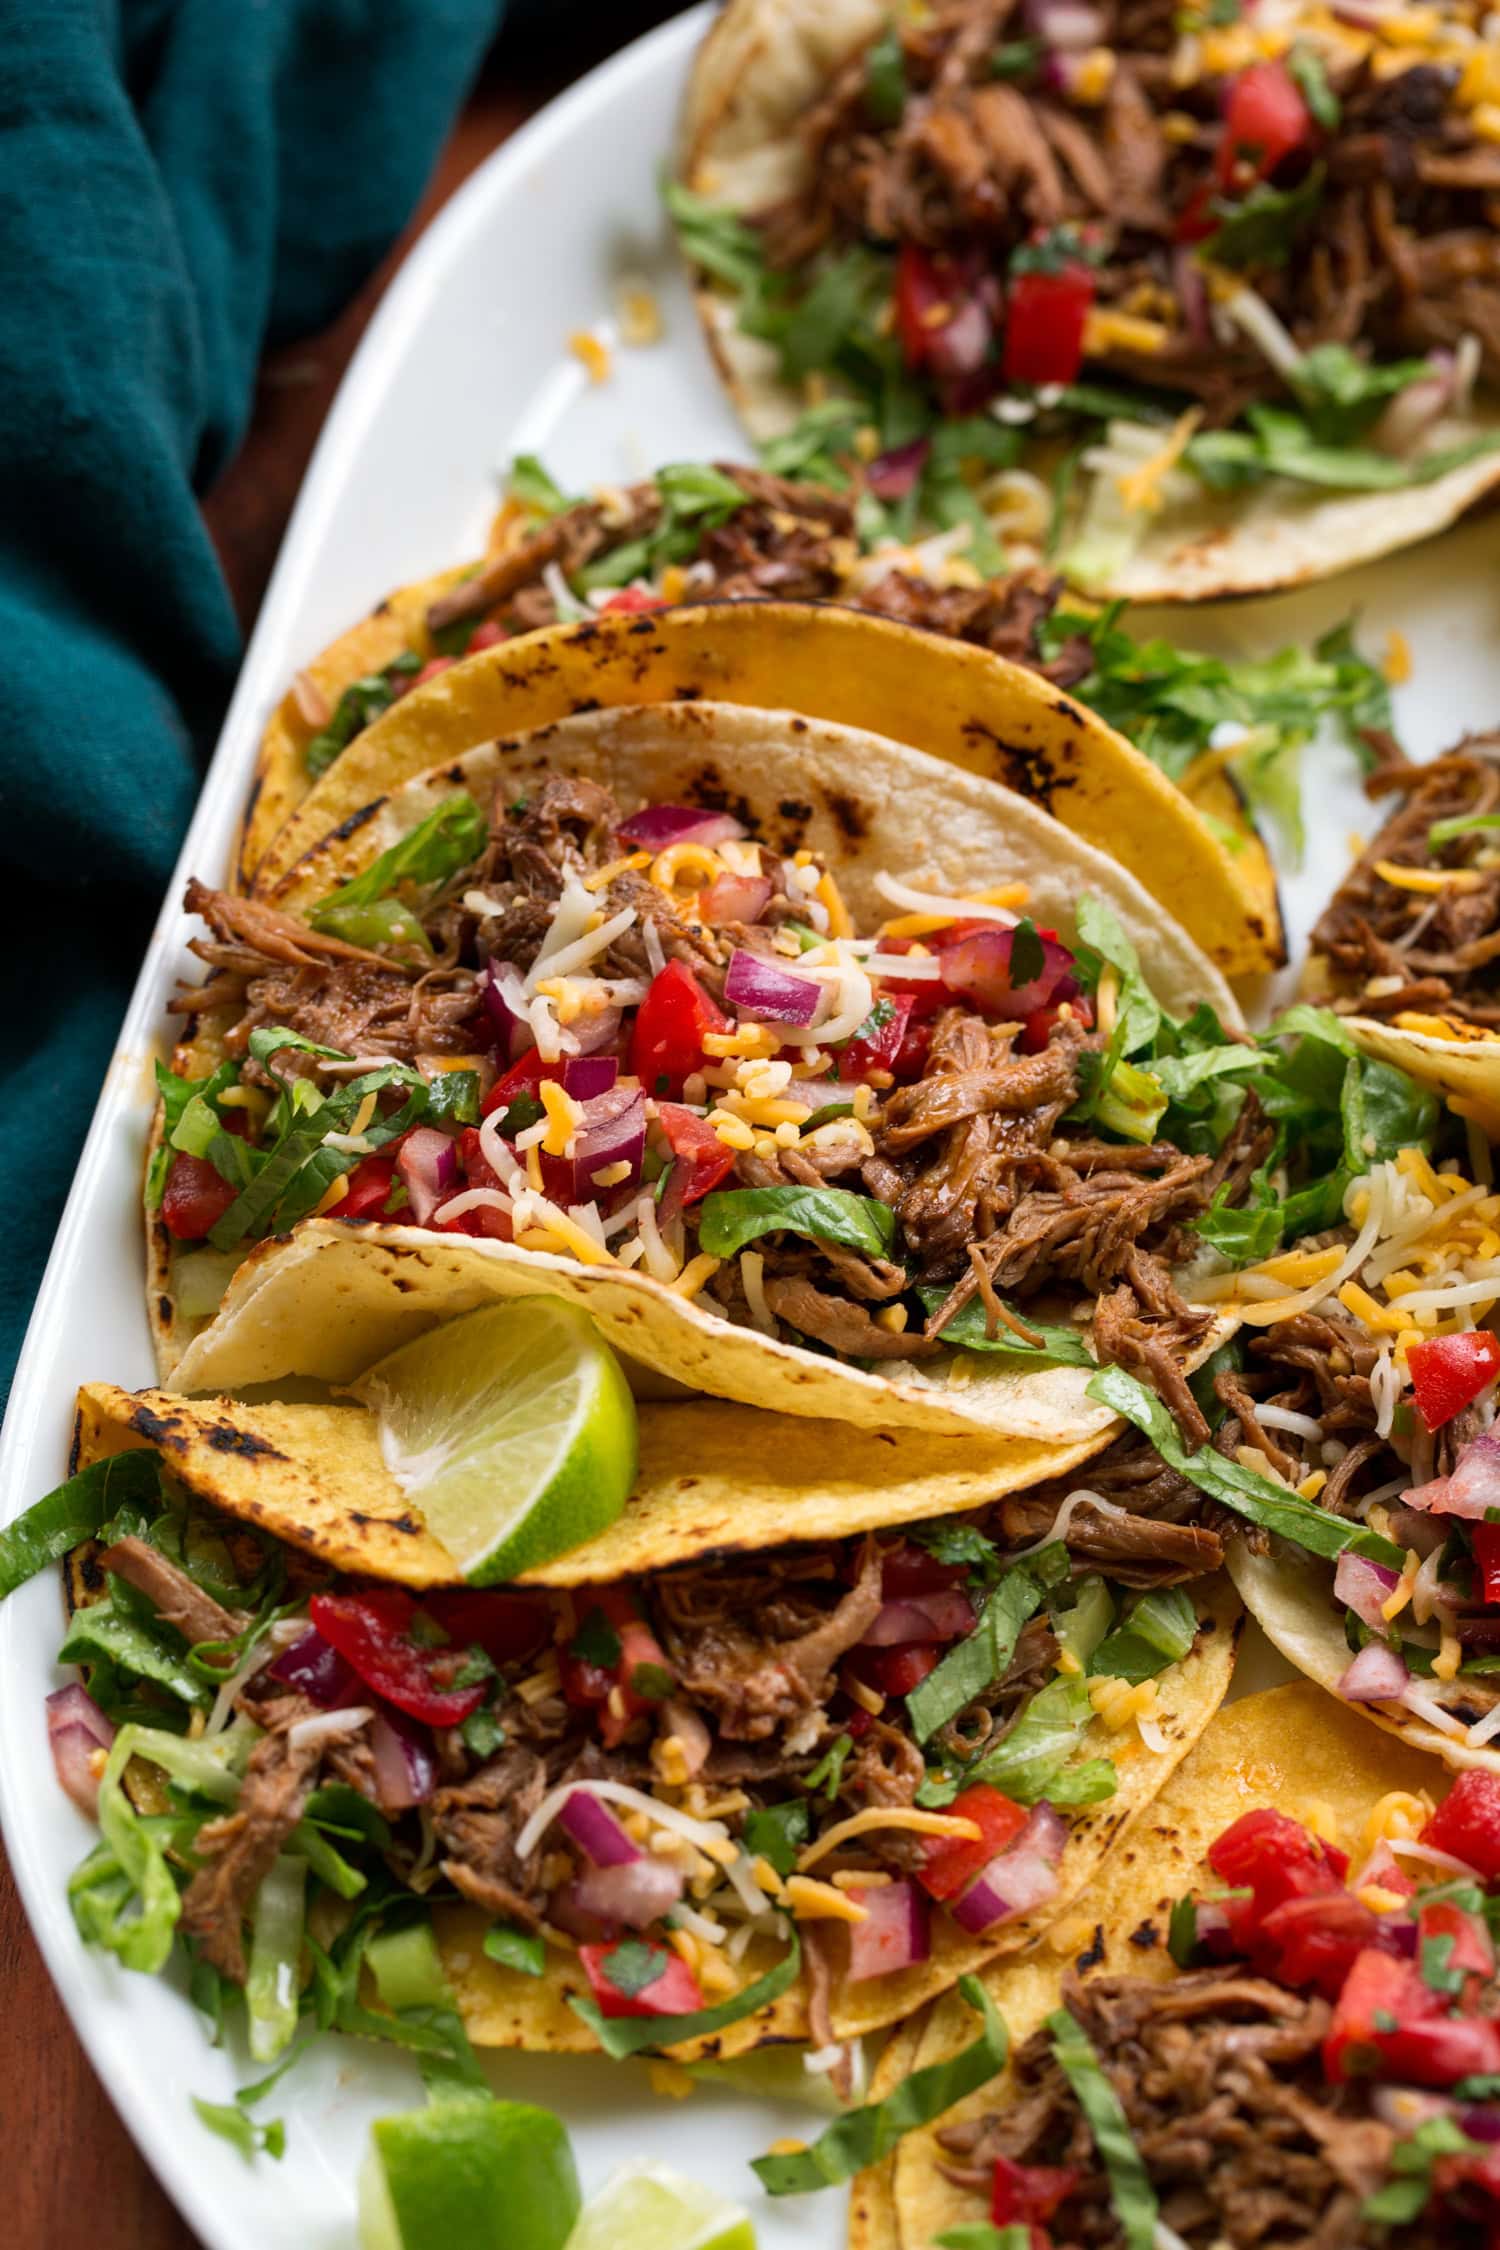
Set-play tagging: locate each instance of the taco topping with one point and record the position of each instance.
(1412, 935)
(653, 1042)
(1323, 2069)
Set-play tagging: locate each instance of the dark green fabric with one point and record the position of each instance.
(181, 182)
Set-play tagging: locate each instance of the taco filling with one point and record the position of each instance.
(1207, 251)
(888, 1737)
(1412, 935)
(1322, 2070)
(651, 1042)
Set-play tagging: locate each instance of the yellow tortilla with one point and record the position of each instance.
(960, 705)
(873, 2223)
(1291, 1747)
(741, 148)
(1460, 1061)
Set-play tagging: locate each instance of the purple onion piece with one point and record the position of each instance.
(1017, 1879)
(637, 1894)
(315, 1669)
(1377, 1675)
(428, 1166)
(946, 1615)
(1362, 1586)
(613, 1131)
(891, 476)
(654, 827)
(584, 1076)
(595, 1830)
(405, 1761)
(894, 1935)
(769, 993)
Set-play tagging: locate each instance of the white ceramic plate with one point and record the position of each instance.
(465, 364)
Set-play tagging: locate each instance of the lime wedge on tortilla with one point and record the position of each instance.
(468, 2175)
(648, 2207)
(512, 1431)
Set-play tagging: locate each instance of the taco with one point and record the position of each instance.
(1279, 2025)
(950, 699)
(834, 1212)
(1234, 286)
(686, 1796)
(1408, 948)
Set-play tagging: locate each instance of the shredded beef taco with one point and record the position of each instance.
(1274, 2021)
(875, 1099)
(789, 1794)
(1408, 948)
(1231, 283)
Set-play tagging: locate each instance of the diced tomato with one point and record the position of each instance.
(1486, 1538)
(629, 601)
(896, 1671)
(484, 1219)
(370, 1184)
(1265, 118)
(908, 1570)
(195, 1198)
(672, 1993)
(486, 634)
(1467, 1823)
(431, 670)
(506, 1626)
(1025, 2193)
(1315, 1940)
(944, 315)
(372, 1632)
(1276, 1859)
(1378, 1992)
(950, 1863)
(523, 1077)
(1449, 1372)
(635, 1682)
(1197, 219)
(1437, 2052)
(912, 1059)
(666, 1039)
(976, 962)
(1042, 1022)
(1045, 317)
(927, 994)
(700, 1158)
(880, 1051)
(1473, 1949)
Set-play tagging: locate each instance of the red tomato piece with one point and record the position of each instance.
(486, 634)
(700, 1158)
(484, 1218)
(1473, 1948)
(1437, 2052)
(943, 313)
(912, 1059)
(976, 968)
(506, 1626)
(881, 1050)
(666, 1039)
(1042, 1022)
(432, 669)
(523, 1077)
(369, 1188)
(1265, 118)
(1467, 1823)
(1449, 1372)
(950, 1863)
(1276, 1859)
(908, 1570)
(896, 1671)
(372, 1632)
(629, 601)
(1025, 2193)
(1486, 1538)
(674, 1992)
(1379, 1992)
(635, 1682)
(195, 1198)
(1315, 1940)
(1044, 323)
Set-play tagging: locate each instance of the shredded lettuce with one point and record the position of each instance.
(275, 1944)
(448, 839)
(1061, 1346)
(631, 2035)
(231, 2124)
(973, 1664)
(1130, 2191)
(53, 1526)
(865, 2135)
(361, 702)
(732, 1217)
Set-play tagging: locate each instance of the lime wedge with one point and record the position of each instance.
(468, 2175)
(512, 1430)
(648, 2207)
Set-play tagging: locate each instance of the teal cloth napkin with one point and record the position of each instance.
(181, 183)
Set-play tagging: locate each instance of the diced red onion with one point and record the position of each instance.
(1377, 1675)
(1412, 412)
(504, 997)
(566, 1912)
(595, 1830)
(1066, 25)
(769, 993)
(600, 1028)
(1362, 1586)
(405, 1762)
(1474, 1486)
(613, 1131)
(654, 827)
(315, 1669)
(1212, 1928)
(1192, 292)
(735, 898)
(428, 1165)
(961, 347)
(1407, 2107)
(584, 1076)
(76, 1730)
(891, 476)
(638, 1894)
(978, 967)
(1019, 1878)
(1480, 2122)
(944, 1615)
(894, 1934)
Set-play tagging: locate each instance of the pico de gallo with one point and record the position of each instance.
(851, 1755)
(1325, 2067)
(650, 1041)
(1190, 251)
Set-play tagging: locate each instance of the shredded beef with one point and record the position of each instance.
(477, 1822)
(170, 1591)
(1005, 618)
(1389, 950)
(239, 1851)
(749, 1682)
(1161, 1538)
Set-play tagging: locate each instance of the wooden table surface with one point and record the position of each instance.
(73, 2178)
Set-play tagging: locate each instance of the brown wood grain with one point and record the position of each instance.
(73, 2179)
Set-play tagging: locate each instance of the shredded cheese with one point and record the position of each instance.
(811, 1901)
(887, 1816)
